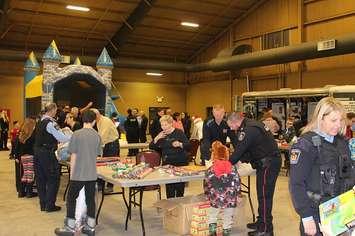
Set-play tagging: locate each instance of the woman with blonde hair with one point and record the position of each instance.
(4, 127)
(173, 145)
(24, 158)
(321, 167)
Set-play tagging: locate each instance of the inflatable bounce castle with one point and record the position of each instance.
(73, 85)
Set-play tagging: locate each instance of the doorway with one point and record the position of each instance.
(78, 90)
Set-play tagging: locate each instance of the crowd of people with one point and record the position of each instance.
(318, 156)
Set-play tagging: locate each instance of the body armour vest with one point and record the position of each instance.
(333, 171)
(43, 138)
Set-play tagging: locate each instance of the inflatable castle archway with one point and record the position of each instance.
(74, 85)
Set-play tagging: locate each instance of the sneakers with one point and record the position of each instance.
(88, 230)
(227, 232)
(53, 209)
(253, 225)
(89, 227)
(212, 229)
(68, 229)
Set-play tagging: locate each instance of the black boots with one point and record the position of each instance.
(257, 233)
(53, 208)
(68, 229)
(253, 225)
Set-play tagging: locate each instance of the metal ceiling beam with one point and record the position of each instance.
(56, 14)
(4, 8)
(133, 20)
(344, 45)
(192, 12)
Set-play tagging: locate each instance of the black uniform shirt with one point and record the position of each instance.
(252, 142)
(305, 170)
(212, 132)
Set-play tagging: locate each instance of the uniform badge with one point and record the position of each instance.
(241, 136)
(294, 156)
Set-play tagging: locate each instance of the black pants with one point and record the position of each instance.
(175, 190)
(18, 175)
(47, 175)
(3, 140)
(265, 186)
(73, 193)
(111, 150)
(132, 139)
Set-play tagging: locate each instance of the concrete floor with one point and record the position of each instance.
(21, 216)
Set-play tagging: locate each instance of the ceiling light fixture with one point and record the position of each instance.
(77, 8)
(153, 74)
(190, 24)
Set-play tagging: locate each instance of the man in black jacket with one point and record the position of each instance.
(132, 130)
(214, 129)
(254, 143)
(142, 124)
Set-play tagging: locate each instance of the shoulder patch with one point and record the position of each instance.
(241, 136)
(294, 156)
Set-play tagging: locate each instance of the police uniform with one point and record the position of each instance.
(132, 133)
(46, 164)
(321, 168)
(254, 143)
(211, 132)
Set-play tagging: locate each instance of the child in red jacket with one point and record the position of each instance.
(222, 187)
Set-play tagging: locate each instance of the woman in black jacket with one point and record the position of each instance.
(174, 146)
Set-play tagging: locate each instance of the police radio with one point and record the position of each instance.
(327, 172)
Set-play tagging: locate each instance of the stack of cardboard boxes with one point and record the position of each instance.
(187, 215)
(199, 220)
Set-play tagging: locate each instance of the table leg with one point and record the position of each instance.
(141, 209)
(101, 202)
(129, 207)
(124, 198)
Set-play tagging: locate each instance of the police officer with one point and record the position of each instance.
(214, 129)
(48, 135)
(254, 143)
(131, 127)
(321, 165)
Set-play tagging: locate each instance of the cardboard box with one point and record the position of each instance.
(178, 212)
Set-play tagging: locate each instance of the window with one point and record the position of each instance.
(275, 39)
